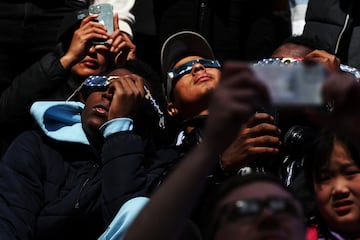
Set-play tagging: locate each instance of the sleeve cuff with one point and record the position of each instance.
(116, 125)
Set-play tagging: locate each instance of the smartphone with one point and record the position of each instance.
(295, 85)
(106, 17)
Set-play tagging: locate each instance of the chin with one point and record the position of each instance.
(345, 222)
(94, 124)
(209, 88)
(86, 72)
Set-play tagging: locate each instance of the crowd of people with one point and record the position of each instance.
(102, 139)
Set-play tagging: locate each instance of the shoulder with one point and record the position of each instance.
(23, 153)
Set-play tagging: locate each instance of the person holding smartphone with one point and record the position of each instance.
(30, 51)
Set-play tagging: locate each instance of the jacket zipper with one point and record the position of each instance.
(343, 30)
(77, 203)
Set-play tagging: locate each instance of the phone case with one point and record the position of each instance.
(106, 17)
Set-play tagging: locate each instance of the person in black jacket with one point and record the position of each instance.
(236, 29)
(29, 29)
(57, 74)
(336, 24)
(62, 182)
(193, 75)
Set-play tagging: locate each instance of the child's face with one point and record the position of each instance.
(337, 191)
(191, 88)
(113, 101)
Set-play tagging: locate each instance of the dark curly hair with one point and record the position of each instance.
(311, 43)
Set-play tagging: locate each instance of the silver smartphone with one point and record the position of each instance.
(292, 85)
(106, 17)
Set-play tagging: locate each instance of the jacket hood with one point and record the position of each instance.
(60, 120)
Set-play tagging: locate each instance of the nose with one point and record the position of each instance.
(198, 67)
(267, 219)
(340, 188)
(108, 93)
(92, 49)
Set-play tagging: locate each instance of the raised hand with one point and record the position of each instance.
(82, 40)
(119, 45)
(234, 101)
(258, 137)
(331, 62)
(127, 94)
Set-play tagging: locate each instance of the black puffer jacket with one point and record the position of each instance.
(45, 79)
(60, 190)
(336, 24)
(236, 29)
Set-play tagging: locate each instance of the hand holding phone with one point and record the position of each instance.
(105, 17)
(82, 41)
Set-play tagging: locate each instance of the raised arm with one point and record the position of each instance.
(233, 102)
(45, 77)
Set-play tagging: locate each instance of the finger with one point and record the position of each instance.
(118, 43)
(131, 47)
(122, 102)
(101, 47)
(89, 18)
(129, 42)
(259, 118)
(137, 90)
(139, 83)
(263, 129)
(321, 56)
(118, 86)
(131, 54)
(89, 28)
(93, 25)
(97, 31)
(262, 151)
(319, 53)
(130, 88)
(126, 37)
(123, 40)
(265, 141)
(116, 22)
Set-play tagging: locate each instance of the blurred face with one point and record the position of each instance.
(338, 191)
(192, 90)
(94, 63)
(267, 223)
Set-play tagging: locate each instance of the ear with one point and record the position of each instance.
(172, 110)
